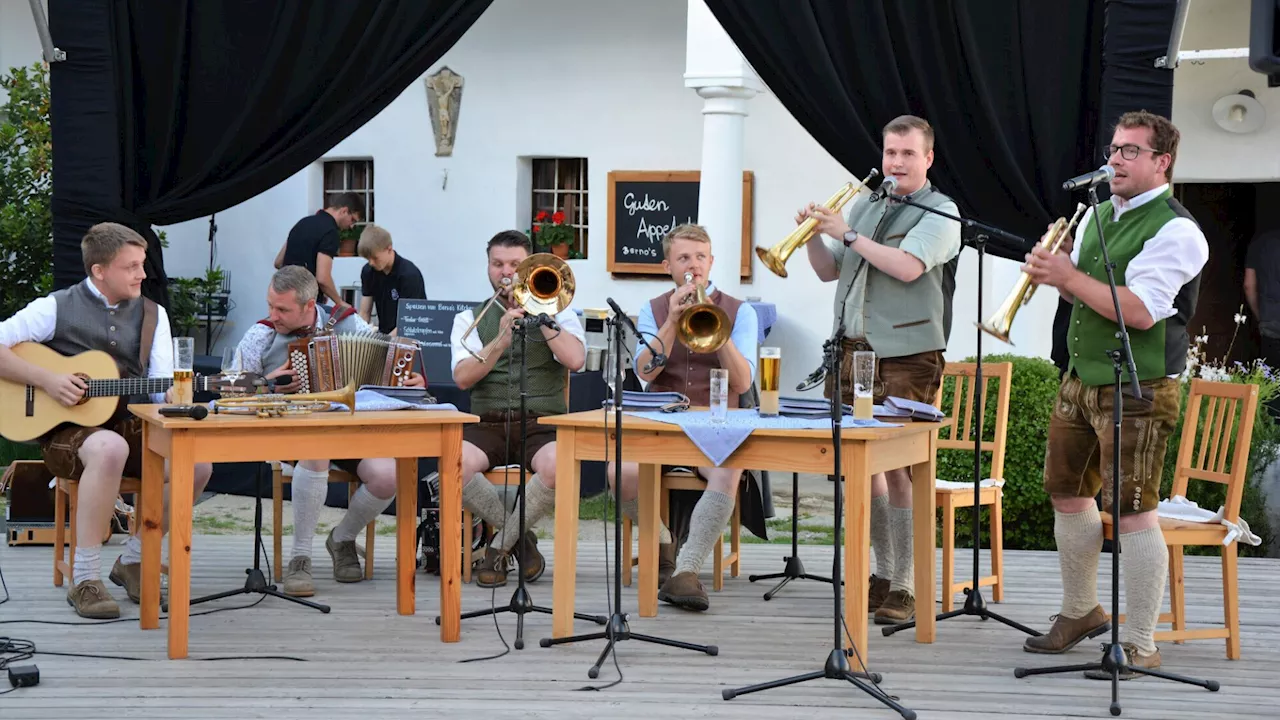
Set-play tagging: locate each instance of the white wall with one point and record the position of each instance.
(19, 43)
(1209, 153)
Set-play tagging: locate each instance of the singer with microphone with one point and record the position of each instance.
(1158, 251)
(687, 251)
(895, 264)
(494, 383)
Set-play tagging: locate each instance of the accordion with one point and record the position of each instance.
(331, 361)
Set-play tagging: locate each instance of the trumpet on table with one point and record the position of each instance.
(775, 258)
(999, 324)
(703, 327)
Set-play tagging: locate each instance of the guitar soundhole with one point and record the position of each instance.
(83, 398)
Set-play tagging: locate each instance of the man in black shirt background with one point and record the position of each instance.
(1262, 291)
(313, 241)
(386, 278)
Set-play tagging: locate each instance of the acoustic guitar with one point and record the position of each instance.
(27, 412)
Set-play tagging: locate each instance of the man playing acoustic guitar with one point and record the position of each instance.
(106, 311)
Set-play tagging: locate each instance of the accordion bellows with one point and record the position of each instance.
(327, 362)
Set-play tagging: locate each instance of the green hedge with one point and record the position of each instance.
(1028, 514)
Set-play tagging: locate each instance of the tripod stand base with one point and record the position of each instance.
(836, 668)
(617, 631)
(793, 571)
(974, 606)
(521, 604)
(1114, 663)
(257, 583)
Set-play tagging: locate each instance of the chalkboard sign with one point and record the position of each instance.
(645, 205)
(430, 322)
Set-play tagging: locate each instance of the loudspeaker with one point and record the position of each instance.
(1264, 36)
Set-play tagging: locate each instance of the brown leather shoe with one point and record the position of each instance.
(684, 590)
(1132, 658)
(91, 600)
(298, 581)
(527, 550)
(346, 559)
(877, 591)
(129, 577)
(492, 572)
(899, 606)
(666, 562)
(1067, 632)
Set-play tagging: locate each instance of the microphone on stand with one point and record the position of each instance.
(195, 412)
(1106, 173)
(887, 186)
(657, 359)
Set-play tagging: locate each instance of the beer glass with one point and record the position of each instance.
(864, 376)
(184, 355)
(770, 380)
(719, 395)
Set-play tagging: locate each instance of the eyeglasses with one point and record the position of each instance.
(1128, 152)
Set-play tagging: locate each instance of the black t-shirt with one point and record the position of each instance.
(386, 289)
(1264, 260)
(311, 235)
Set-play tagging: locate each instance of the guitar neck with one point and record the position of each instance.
(136, 386)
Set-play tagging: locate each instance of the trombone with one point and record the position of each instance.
(775, 258)
(1001, 322)
(703, 327)
(543, 284)
(281, 404)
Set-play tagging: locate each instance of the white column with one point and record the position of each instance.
(718, 73)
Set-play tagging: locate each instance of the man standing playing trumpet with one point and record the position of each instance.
(893, 297)
(687, 257)
(1158, 251)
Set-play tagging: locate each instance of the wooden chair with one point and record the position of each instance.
(962, 376)
(1214, 448)
(681, 479)
(66, 500)
(278, 479)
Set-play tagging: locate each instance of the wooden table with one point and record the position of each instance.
(401, 434)
(864, 452)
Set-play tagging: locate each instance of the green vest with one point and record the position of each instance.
(899, 318)
(1157, 352)
(499, 391)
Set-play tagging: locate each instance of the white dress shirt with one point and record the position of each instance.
(567, 319)
(39, 320)
(1169, 260)
(257, 340)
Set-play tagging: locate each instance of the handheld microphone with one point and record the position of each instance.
(195, 412)
(888, 185)
(1103, 174)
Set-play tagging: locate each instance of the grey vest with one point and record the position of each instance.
(86, 323)
(278, 351)
(899, 318)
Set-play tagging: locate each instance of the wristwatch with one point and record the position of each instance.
(850, 238)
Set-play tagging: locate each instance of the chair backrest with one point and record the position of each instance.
(1216, 434)
(962, 377)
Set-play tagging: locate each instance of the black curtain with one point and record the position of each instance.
(169, 110)
(1011, 88)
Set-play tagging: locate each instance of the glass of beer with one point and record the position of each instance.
(864, 376)
(184, 355)
(770, 380)
(719, 395)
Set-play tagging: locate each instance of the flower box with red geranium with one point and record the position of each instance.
(549, 232)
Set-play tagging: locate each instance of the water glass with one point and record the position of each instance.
(719, 395)
(184, 355)
(770, 380)
(864, 376)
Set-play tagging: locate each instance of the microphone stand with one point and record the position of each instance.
(521, 602)
(618, 629)
(1113, 658)
(836, 666)
(974, 603)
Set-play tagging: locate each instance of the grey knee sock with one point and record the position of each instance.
(882, 536)
(1079, 538)
(362, 509)
(631, 508)
(539, 500)
(481, 498)
(705, 526)
(1146, 566)
(903, 565)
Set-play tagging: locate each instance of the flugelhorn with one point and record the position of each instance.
(704, 326)
(1000, 323)
(281, 404)
(543, 284)
(775, 258)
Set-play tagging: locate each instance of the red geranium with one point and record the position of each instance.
(550, 229)
(557, 218)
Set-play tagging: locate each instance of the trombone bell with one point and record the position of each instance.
(703, 327)
(775, 258)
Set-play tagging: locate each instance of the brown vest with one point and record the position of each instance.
(688, 372)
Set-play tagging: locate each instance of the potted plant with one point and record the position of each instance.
(194, 301)
(552, 234)
(348, 240)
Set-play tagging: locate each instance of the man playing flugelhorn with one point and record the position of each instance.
(895, 266)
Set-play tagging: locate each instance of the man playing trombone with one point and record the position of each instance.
(487, 363)
(292, 312)
(732, 346)
(893, 298)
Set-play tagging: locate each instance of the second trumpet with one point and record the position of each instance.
(703, 327)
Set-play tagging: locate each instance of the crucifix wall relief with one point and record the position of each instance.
(444, 98)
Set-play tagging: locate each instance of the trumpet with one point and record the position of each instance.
(281, 404)
(1001, 322)
(703, 327)
(775, 258)
(543, 284)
